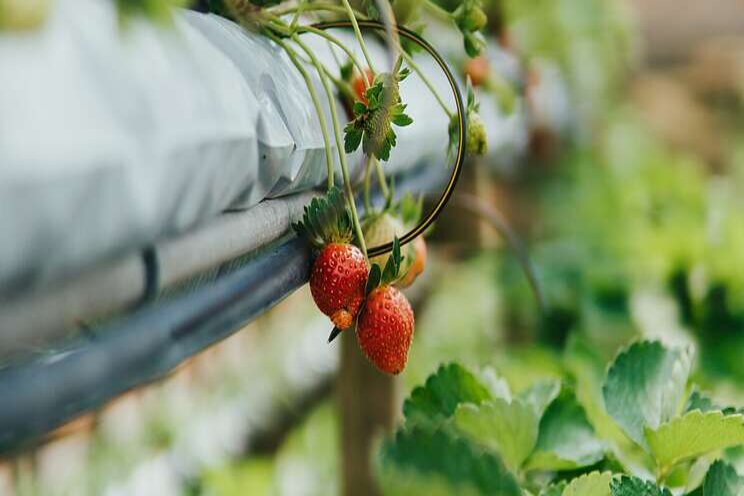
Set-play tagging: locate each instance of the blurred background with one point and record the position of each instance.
(622, 181)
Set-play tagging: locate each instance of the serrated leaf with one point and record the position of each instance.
(507, 428)
(442, 453)
(450, 386)
(541, 394)
(592, 484)
(694, 434)
(555, 489)
(352, 137)
(644, 387)
(402, 120)
(359, 108)
(699, 401)
(567, 440)
(498, 386)
(723, 480)
(633, 486)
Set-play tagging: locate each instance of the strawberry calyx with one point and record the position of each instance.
(384, 277)
(326, 220)
(372, 125)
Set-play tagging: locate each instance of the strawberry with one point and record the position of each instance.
(395, 220)
(418, 265)
(360, 88)
(385, 325)
(373, 121)
(478, 70)
(339, 272)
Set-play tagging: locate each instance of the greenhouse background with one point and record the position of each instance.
(579, 325)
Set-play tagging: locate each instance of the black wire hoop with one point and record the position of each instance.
(461, 117)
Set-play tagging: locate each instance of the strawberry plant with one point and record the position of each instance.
(646, 431)
(347, 286)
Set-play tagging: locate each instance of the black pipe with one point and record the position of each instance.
(40, 395)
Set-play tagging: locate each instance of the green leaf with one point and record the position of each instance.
(541, 394)
(373, 280)
(507, 428)
(644, 387)
(592, 484)
(633, 486)
(352, 137)
(451, 385)
(722, 480)
(694, 434)
(442, 453)
(359, 108)
(699, 401)
(555, 489)
(567, 440)
(402, 120)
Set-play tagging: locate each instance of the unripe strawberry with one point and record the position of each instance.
(382, 229)
(418, 265)
(385, 329)
(477, 138)
(337, 282)
(379, 125)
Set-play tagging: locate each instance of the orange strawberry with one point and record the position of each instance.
(359, 87)
(478, 69)
(417, 266)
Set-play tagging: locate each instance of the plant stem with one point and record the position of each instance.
(316, 7)
(338, 43)
(438, 11)
(381, 179)
(409, 60)
(316, 103)
(339, 140)
(358, 34)
(367, 181)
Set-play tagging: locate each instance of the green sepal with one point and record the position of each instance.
(392, 268)
(326, 219)
(374, 278)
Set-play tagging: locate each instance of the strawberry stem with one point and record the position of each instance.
(316, 103)
(413, 65)
(358, 34)
(339, 142)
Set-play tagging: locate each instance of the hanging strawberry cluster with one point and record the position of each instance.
(351, 289)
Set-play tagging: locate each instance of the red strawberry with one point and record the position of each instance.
(339, 274)
(359, 87)
(385, 329)
(337, 282)
(385, 324)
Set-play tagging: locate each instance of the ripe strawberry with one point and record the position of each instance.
(337, 282)
(360, 88)
(385, 324)
(339, 273)
(385, 329)
(418, 265)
